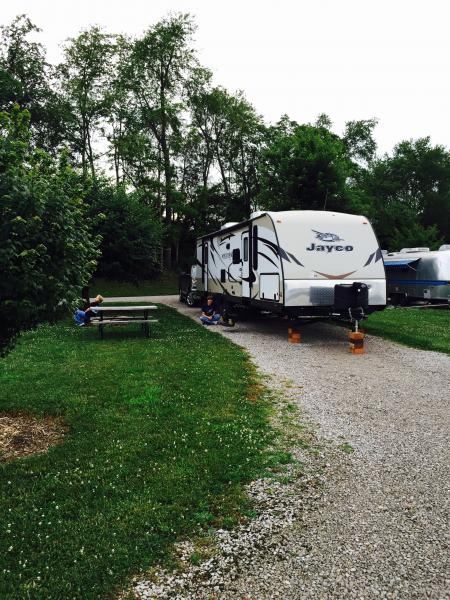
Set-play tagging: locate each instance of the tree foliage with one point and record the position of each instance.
(85, 80)
(47, 250)
(303, 167)
(410, 195)
(28, 80)
(131, 234)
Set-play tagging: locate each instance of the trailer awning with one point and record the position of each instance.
(400, 263)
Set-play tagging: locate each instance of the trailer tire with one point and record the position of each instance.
(190, 300)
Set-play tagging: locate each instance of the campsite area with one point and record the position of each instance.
(224, 300)
(157, 439)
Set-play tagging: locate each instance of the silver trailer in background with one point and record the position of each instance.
(416, 274)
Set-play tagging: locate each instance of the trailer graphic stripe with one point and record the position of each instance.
(227, 237)
(267, 258)
(343, 276)
(278, 250)
(295, 259)
(217, 281)
(271, 246)
(230, 276)
(369, 260)
(378, 256)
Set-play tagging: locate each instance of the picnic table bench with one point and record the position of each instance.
(124, 315)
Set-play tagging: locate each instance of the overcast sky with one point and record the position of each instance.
(351, 59)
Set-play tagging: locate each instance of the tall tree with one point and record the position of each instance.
(85, 78)
(232, 136)
(28, 80)
(160, 65)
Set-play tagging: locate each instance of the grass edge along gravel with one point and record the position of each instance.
(295, 461)
(426, 329)
(163, 433)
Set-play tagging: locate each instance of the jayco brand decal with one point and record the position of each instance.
(328, 237)
(328, 248)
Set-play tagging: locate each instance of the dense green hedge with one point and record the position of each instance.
(131, 234)
(47, 250)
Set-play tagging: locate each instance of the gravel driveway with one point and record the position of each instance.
(381, 527)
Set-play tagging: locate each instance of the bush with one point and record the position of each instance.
(131, 235)
(47, 251)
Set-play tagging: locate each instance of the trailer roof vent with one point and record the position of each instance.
(408, 250)
(230, 224)
(445, 247)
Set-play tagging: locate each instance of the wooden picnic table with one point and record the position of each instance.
(123, 315)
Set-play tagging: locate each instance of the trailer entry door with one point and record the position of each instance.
(245, 251)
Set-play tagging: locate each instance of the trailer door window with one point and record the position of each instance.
(246, 249)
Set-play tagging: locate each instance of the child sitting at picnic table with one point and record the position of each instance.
(210, 315)
(83, 317)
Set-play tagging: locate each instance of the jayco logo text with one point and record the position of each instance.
(328, 248)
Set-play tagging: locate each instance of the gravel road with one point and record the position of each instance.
(381, 526)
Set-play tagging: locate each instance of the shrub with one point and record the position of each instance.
(47, 251)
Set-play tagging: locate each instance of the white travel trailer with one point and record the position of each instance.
(417, 274)
(300, 263)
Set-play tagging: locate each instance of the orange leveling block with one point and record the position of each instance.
(293, 336)
(356, 339)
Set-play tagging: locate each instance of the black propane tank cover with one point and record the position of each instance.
(351, 295)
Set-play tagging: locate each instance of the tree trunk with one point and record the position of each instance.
(167, 175)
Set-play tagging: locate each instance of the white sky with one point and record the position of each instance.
(351, 59)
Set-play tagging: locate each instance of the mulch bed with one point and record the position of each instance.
(22, 435)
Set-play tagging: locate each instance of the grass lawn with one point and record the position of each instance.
(167, 283)
(420, 328)
(161, 434)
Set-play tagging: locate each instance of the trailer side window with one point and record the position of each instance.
(255, 247)
(246, 249)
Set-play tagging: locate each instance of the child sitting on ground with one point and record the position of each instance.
(210, 315)
(83, 317)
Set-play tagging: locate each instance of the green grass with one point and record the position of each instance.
(161, 437)
(167, 283)
(428, 329)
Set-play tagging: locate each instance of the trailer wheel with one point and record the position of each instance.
(190, 300)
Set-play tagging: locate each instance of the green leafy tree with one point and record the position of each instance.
(160, 65)
(229, 136)
(131, 234)
(303, 167)
(28, 80)
(410, 193)
(47, 250)
(86, 81)
(359, 141)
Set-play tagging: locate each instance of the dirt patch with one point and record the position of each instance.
(22, 435)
